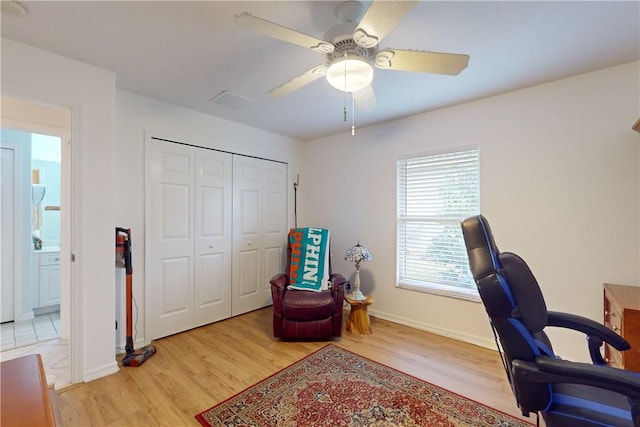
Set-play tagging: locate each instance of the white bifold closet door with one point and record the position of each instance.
(216, 232)
(189, 244)
(259, 230)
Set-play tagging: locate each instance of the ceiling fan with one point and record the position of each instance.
(351, 49)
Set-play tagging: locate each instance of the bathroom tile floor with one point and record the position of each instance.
(39, 335)
(42, 328)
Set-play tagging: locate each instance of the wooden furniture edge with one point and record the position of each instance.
(26, 397)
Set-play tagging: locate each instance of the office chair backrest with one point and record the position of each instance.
(515, 305)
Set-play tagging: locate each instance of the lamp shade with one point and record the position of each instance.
(358, 254)
(350, 74)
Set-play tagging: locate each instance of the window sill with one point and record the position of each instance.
(445, 291)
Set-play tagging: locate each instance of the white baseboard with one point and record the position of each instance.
(101, 371)
(438, 330)
(122, 344)
(21, 317)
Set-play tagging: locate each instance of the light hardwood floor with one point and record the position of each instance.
(194, 370)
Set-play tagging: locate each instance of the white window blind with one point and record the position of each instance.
(435, 193)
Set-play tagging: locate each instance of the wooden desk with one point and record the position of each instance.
(25, 395)
(622, 315)
(358, 321)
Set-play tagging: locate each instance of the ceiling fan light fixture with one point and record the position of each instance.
(350, 74)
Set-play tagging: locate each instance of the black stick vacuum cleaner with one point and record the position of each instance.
(123, 249)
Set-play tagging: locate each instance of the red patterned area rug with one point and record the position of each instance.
(334, 387)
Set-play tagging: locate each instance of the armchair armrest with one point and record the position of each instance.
(338, 283)
(596, 333)
(337, 279)
(279, 284)
(280, 281)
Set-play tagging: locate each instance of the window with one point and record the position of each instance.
(435, 193)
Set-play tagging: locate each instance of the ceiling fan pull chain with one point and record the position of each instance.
(353, 114)
(345, 89)
(345, 107)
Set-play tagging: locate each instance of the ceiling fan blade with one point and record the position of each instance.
(423, 62)
(379, 20)
(299, 81)
(365, 99)
(249, 22)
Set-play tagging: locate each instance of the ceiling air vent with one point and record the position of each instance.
(232, 100)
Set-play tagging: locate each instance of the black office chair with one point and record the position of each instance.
(566, 393)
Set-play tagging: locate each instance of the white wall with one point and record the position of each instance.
(39, 76)
(559, 185)
(136, 116)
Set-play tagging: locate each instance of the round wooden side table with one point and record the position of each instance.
(358, 322)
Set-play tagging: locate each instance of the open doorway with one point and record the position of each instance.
(36, 153)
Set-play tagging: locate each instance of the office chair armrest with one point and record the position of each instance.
(596, 333)
(553, 370)
(588, 327)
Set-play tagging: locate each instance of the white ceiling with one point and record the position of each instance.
(187, 52)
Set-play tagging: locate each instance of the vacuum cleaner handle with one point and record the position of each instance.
(132, 357)
(126, 244)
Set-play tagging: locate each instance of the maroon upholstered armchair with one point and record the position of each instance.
(306, 314)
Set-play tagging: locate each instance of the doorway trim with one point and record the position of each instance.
(65, 218)
(25, 123)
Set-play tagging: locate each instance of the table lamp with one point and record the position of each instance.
(357, 254)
